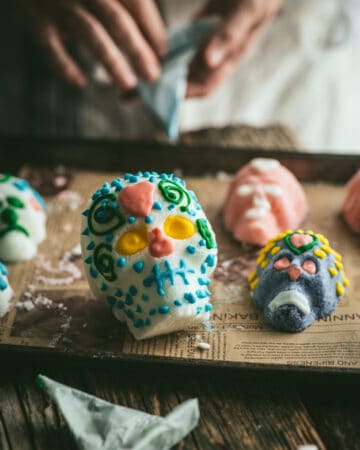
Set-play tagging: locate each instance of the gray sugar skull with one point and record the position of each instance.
(22, 219)
(149, 251)
(299, 278)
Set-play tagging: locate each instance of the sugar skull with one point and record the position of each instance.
(264, 199)
(149, 251)
(299, 278)
(351, 204)
(6, 292)
(22, 219)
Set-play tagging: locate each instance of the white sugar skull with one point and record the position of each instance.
(264, 199)
(22, 219)
(6, 292)
(149, 251)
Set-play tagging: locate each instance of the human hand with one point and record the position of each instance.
(126, 36)
(241, 22)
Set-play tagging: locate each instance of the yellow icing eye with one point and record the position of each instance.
(179, 227)
(132, 241)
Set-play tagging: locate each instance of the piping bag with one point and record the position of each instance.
(100, 425)
(165, 97)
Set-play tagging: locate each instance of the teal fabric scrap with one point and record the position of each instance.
(100, 425)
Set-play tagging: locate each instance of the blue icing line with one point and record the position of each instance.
(157, 205)
(133, 290)
(21, 184)
(128, 299)
(3, 269)
(111, 301)
(131, 219)
(3, 284)
(208, 307)
(163, 309)
(104, 287)
(86, 212)
(138, 266)
(210, 260)
(121, 262)
(204, 281)
(93, 272)
(85, 232)
(203, 268)
(152, 312)
(88, 260)
(109, 237)
(148, 219)
(91, 245)
(189, 297)
(119, 292)
(138, 323)
(191, 249)
(177, 303)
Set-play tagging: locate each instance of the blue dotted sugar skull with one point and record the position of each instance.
(299, 278)
(22, 219)
(149, 251)
(6, 292)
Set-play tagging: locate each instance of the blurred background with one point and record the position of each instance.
(271, 74)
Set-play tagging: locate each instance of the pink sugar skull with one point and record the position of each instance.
(351, 204)
(263, 200)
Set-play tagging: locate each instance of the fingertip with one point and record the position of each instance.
(214, 55)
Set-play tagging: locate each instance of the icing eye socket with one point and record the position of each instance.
(179, 227)
(15, 202)
(132, 241)
(309, 266)
(103, 216)
(282, 263)
(245, 189)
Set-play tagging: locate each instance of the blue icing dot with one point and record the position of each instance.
(104, 287)
(148, 219)
(153, 172)
(128, 299)
(157, 205)
(131, 178)
(164, 309)
(109, 237)
(146, 174)
(91, 245)
(85, 232)
(138, 309)
(191, 213)
(111, 301)
(163, 176)
(131, 219)
(3, 269)
(191, 249)
(105, 188)
(96, 195)
(208, 307)
(201, 294)
(147, 321)
(177, 303)
(93, 272)
(3, 284)
(121, 262)
(129, 313)
(120, 304)
(138, 323)
(21, 184)
(145, 297)
(202, 243)
(133, 290)
(207, 292)
(204, 281)
(88, 260)
(117, 184)
(139, 173)
(171, 207)
(152, 179)
(210, 260)
(85, 213)
(119, 292)
(189, 297)
(152, 311)
(198, 310)
(139, 266)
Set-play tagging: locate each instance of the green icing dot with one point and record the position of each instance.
(15, 202)
(206, 233)
(175, 193)
(5, 177)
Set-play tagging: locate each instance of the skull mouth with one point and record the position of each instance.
(15, 227)
(291, 297)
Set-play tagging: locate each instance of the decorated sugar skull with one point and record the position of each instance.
(351, 203)
(149, 251)
(299, 278)
(22, 219)
(6, 292)
(264, 199)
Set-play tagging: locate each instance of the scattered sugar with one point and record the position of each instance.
(203, 346)
(68, 199)
(308, 447)
(26, 305)
(224, 176)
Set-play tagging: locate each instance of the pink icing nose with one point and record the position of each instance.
(160, 244)
(294, 272)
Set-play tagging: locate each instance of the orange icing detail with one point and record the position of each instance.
(138, 199)
(33, 202)
(160, 245)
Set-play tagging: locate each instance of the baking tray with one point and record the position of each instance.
(94, 334)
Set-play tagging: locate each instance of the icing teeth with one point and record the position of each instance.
(149, 252)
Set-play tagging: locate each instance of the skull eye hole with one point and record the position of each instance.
(179, 227)
(309, 266)
(132, 241)
(282, 263)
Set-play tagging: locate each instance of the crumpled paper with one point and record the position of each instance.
(100, 425)
(165, 97)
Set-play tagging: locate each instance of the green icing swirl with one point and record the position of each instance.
(104, 261)
(176, 194)
(103, 219)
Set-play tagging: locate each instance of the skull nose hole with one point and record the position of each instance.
(294, 272)
(9, 216)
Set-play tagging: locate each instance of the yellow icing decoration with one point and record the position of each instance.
(275, 250)
(179, 227)
(326, 249)
(339, 289)
(132, 241)
(252, 276)
(337, 255)
(319, 253)
(260, 258)
(345, 279)
(333, 272)
(254, 284)
(338, 265)
(322, 239)
(264, 263)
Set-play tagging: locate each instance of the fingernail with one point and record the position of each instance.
(131, 81)
(152, 72)
(215, 56)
